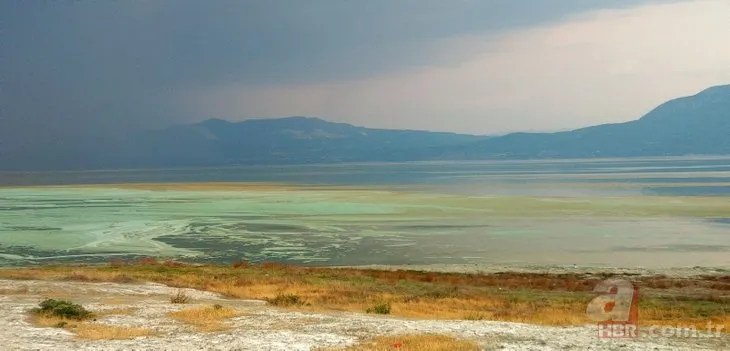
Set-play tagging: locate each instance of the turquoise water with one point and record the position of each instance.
(639, 212)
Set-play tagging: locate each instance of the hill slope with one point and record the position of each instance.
(698, 124)
(285, 140)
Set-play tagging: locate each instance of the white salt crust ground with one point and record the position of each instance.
(261, 327)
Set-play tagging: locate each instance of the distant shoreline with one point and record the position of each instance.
(190, 186)
(677, 272)
(459, 268)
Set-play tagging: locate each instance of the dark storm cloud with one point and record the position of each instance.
(82, 68)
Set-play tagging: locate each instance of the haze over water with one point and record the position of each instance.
(660, 212)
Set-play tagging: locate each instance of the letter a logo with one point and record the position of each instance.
(616, 306)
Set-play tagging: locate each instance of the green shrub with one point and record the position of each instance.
(381, 308)
(62, 309)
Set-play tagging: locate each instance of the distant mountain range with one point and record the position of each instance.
(698, 124)
(284, 140)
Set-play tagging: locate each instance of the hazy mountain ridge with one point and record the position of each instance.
(284, 140)
(698, 124)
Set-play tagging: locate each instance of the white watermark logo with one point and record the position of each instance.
(616, 309)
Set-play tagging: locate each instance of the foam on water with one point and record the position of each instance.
(345, 226)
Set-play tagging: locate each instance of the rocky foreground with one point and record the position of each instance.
(259, 326)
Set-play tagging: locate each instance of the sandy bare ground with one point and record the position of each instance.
(261, 327)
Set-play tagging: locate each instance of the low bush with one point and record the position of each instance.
(181, 297)
(381, 308)
(62, 309)
(286, 300)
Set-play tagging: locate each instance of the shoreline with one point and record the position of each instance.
(446, 268)
(676, 272)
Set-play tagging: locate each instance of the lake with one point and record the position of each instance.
(651, 212)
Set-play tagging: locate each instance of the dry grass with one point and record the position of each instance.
(207, 319)
(91, 331)
(552, 299)
(48, 321)
(425, 342)
(74, 317)
(96, 331)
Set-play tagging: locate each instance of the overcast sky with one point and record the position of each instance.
(71, 68)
